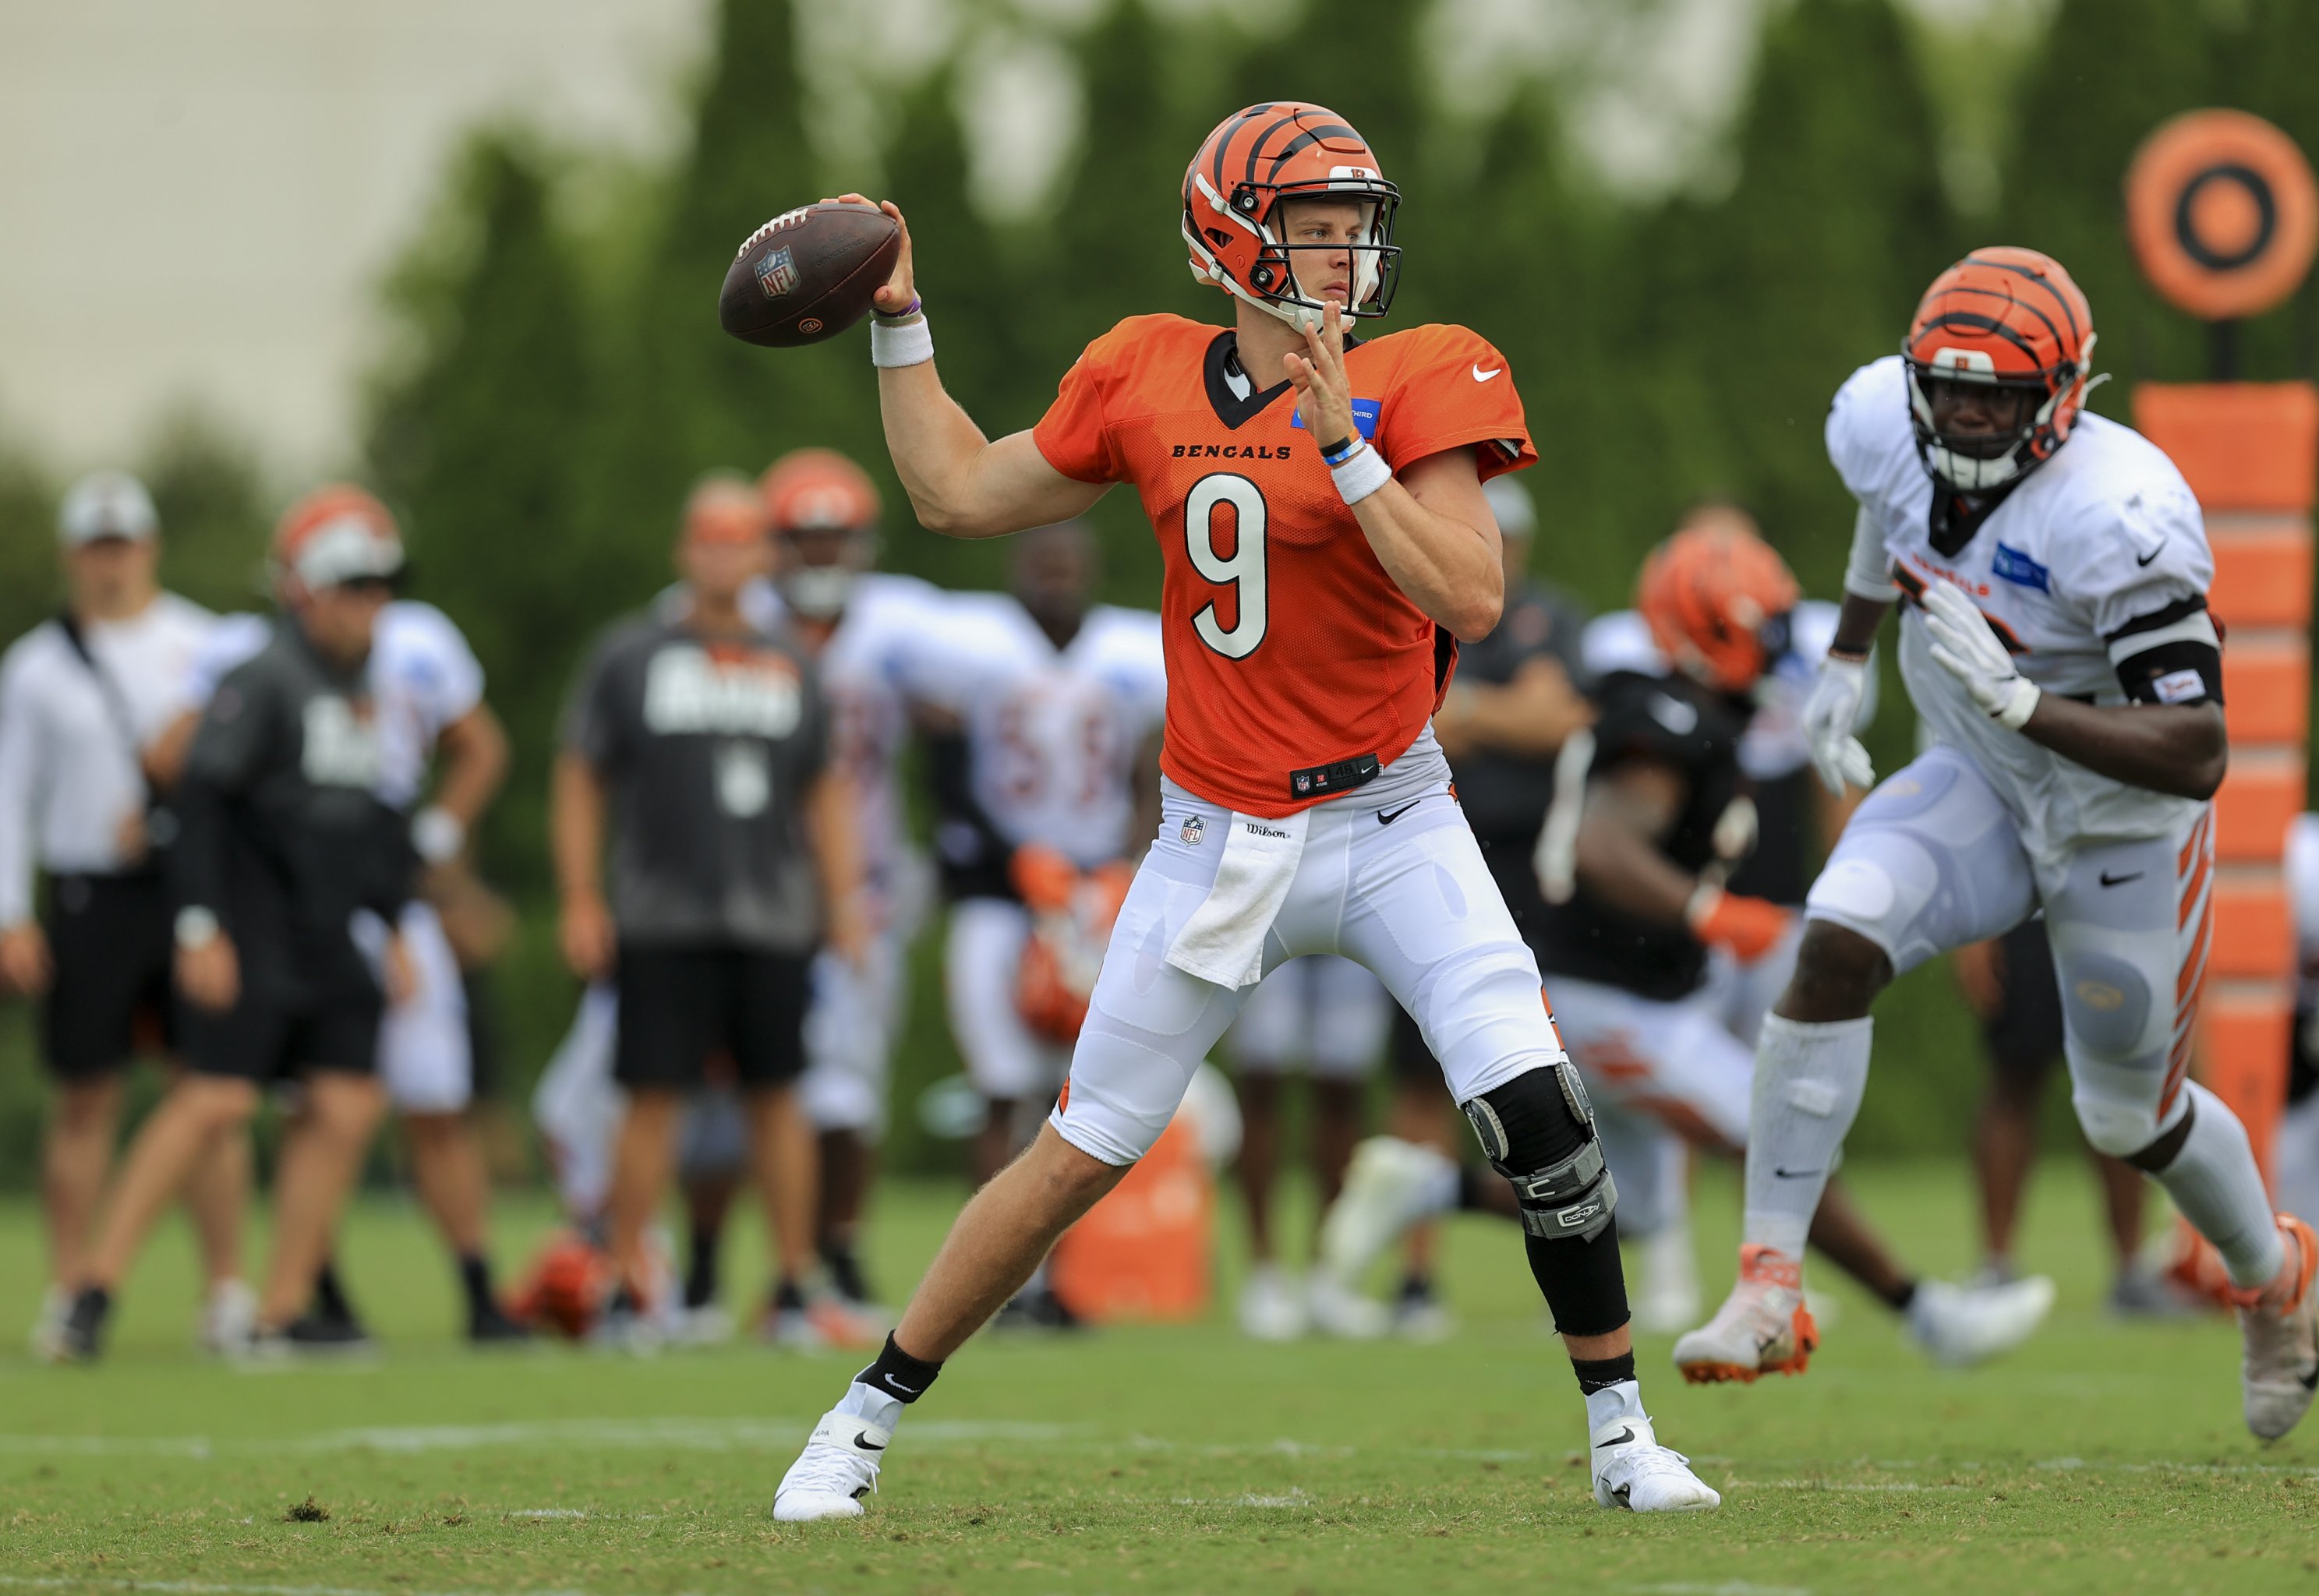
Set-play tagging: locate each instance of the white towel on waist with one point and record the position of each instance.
(1223, 940)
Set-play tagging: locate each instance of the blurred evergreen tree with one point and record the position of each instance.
(29, 591)
(477, 443)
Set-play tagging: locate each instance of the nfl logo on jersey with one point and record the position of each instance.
(1193, 826)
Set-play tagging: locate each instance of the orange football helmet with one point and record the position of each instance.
(1718, 598)
(823, 510)
(338, 533)
(1072, 919)
(1255, 159)
(569, 1283)
(2008, 318)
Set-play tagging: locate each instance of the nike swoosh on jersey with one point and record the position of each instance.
(1387, 816)
(1483, 376)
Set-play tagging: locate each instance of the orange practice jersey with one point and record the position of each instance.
(1288, 646)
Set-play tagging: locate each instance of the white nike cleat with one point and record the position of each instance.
(47, 1339)
(1958, 1326)
(228, 1319)
(1338, 1309)
(837, 1468)
(1633, 1472)
(1668, 1297)
(1390, 1184)
(1762, 1328)
(2281, 1369)
(1271, 1308)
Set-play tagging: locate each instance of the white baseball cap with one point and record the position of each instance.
(106, 504)
(1511, 502)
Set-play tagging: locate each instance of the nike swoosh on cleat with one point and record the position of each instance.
(1387, 816)
(1622, 1494)
(2109, 880)
(1795, 1174)
(861, 1442)
(1621, 1439)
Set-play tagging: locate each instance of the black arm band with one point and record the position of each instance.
(2177, 672)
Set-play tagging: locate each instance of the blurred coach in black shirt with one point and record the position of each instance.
(281, 841)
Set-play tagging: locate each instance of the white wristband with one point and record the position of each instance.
(196, 927)
(2020, 703)
(437, 835)
(1360, 473)
(904, 343)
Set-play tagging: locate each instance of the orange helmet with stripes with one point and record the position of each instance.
(1255, 161)
(2009, 319)
(1718, 598)
(823, 510)
(339, 532)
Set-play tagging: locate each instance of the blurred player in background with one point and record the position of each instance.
(83, 699)
(1793, 820)
(1330, 1016)
(426, 693)
(1045, 705)
(1326, 544)
(2296, 1157)
(1651, 819)
(283, 844)
(696, 750)
(2056, 644)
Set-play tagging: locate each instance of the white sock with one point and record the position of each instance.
(1809, 1082)
(867, 1402)
(1614, 1402)
(2213, 1181)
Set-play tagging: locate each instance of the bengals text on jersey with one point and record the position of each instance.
(1288, 647)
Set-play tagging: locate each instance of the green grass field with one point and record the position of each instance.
(2104, 1458)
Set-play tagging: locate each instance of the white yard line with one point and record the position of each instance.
(210, 1588)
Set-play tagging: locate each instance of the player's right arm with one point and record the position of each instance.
(1630, 809)
(960, 483)
(23, 949)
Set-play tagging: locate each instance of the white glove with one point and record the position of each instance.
(1830, 712)
(1964, 646)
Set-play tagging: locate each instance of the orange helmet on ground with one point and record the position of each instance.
(2010, 319)
(1073, 914)
(1254, 160)
(1717, 598)
(569, 1283)
(823, 510)
(339, 532)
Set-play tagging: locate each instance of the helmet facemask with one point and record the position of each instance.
(1985, 462)
(813, 585)
(1257, 209)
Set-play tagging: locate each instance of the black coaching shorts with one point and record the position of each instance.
(2024, 1036)
(265, 1037)
(680, 1004)
(113, 938)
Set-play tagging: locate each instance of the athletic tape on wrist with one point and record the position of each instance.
(1360, 473)
(910, 344)
(2020, 707)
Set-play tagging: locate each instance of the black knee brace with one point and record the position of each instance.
(1538, 1131)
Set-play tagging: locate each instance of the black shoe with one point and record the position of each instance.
(846, 1278)
(1037, 1309)
(326, 1334)
(488, 1325)
(83, 1338)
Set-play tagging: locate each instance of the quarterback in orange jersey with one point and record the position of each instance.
(1318, 501)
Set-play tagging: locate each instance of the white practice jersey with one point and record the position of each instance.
(2071, 567)
(868, 668)
(69, 768)
(1053, 734)
(422, 675)
(1774, 746)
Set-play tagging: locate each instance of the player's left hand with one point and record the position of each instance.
(1963, 646)
(1324, 394)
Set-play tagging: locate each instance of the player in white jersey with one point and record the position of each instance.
(2295, 1152)
(2057, 647)
(1055, 702)
(84, 699)
(434, 727)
